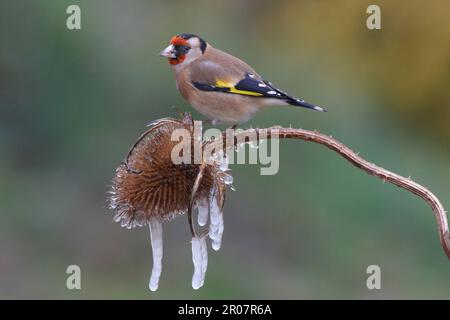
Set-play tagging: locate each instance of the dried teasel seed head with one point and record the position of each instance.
(149, 185)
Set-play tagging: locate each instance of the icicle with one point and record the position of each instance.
(227, 178)
(156, 237)
(217, 242)
(216, 223)
(200, 259)
(196, 258)
(204, 257)
(203, 211)
(224, 163)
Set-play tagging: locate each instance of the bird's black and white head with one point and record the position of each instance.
(184, 48)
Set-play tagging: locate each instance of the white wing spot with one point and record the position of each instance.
(262, 85)
(251, 75)
(318, 108)
(271, 92)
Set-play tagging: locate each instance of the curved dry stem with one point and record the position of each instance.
(359, 162)
(191, 202)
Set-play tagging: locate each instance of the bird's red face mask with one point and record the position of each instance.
(177, 50)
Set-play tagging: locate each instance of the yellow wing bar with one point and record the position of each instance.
(231, 87)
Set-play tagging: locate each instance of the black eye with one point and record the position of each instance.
(182, 49)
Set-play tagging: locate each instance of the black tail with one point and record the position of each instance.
(302, 103)
(293, 100)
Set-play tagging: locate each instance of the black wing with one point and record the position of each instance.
(251, 86)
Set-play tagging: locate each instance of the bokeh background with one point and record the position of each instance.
(72, 102)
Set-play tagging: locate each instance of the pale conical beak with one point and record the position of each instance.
(168, 52)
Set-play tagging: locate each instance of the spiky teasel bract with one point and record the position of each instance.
(149, 185)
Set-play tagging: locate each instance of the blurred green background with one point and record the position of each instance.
(72, 102)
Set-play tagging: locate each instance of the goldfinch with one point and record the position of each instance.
(220, 86)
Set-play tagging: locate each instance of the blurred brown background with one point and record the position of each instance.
(72, 102)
